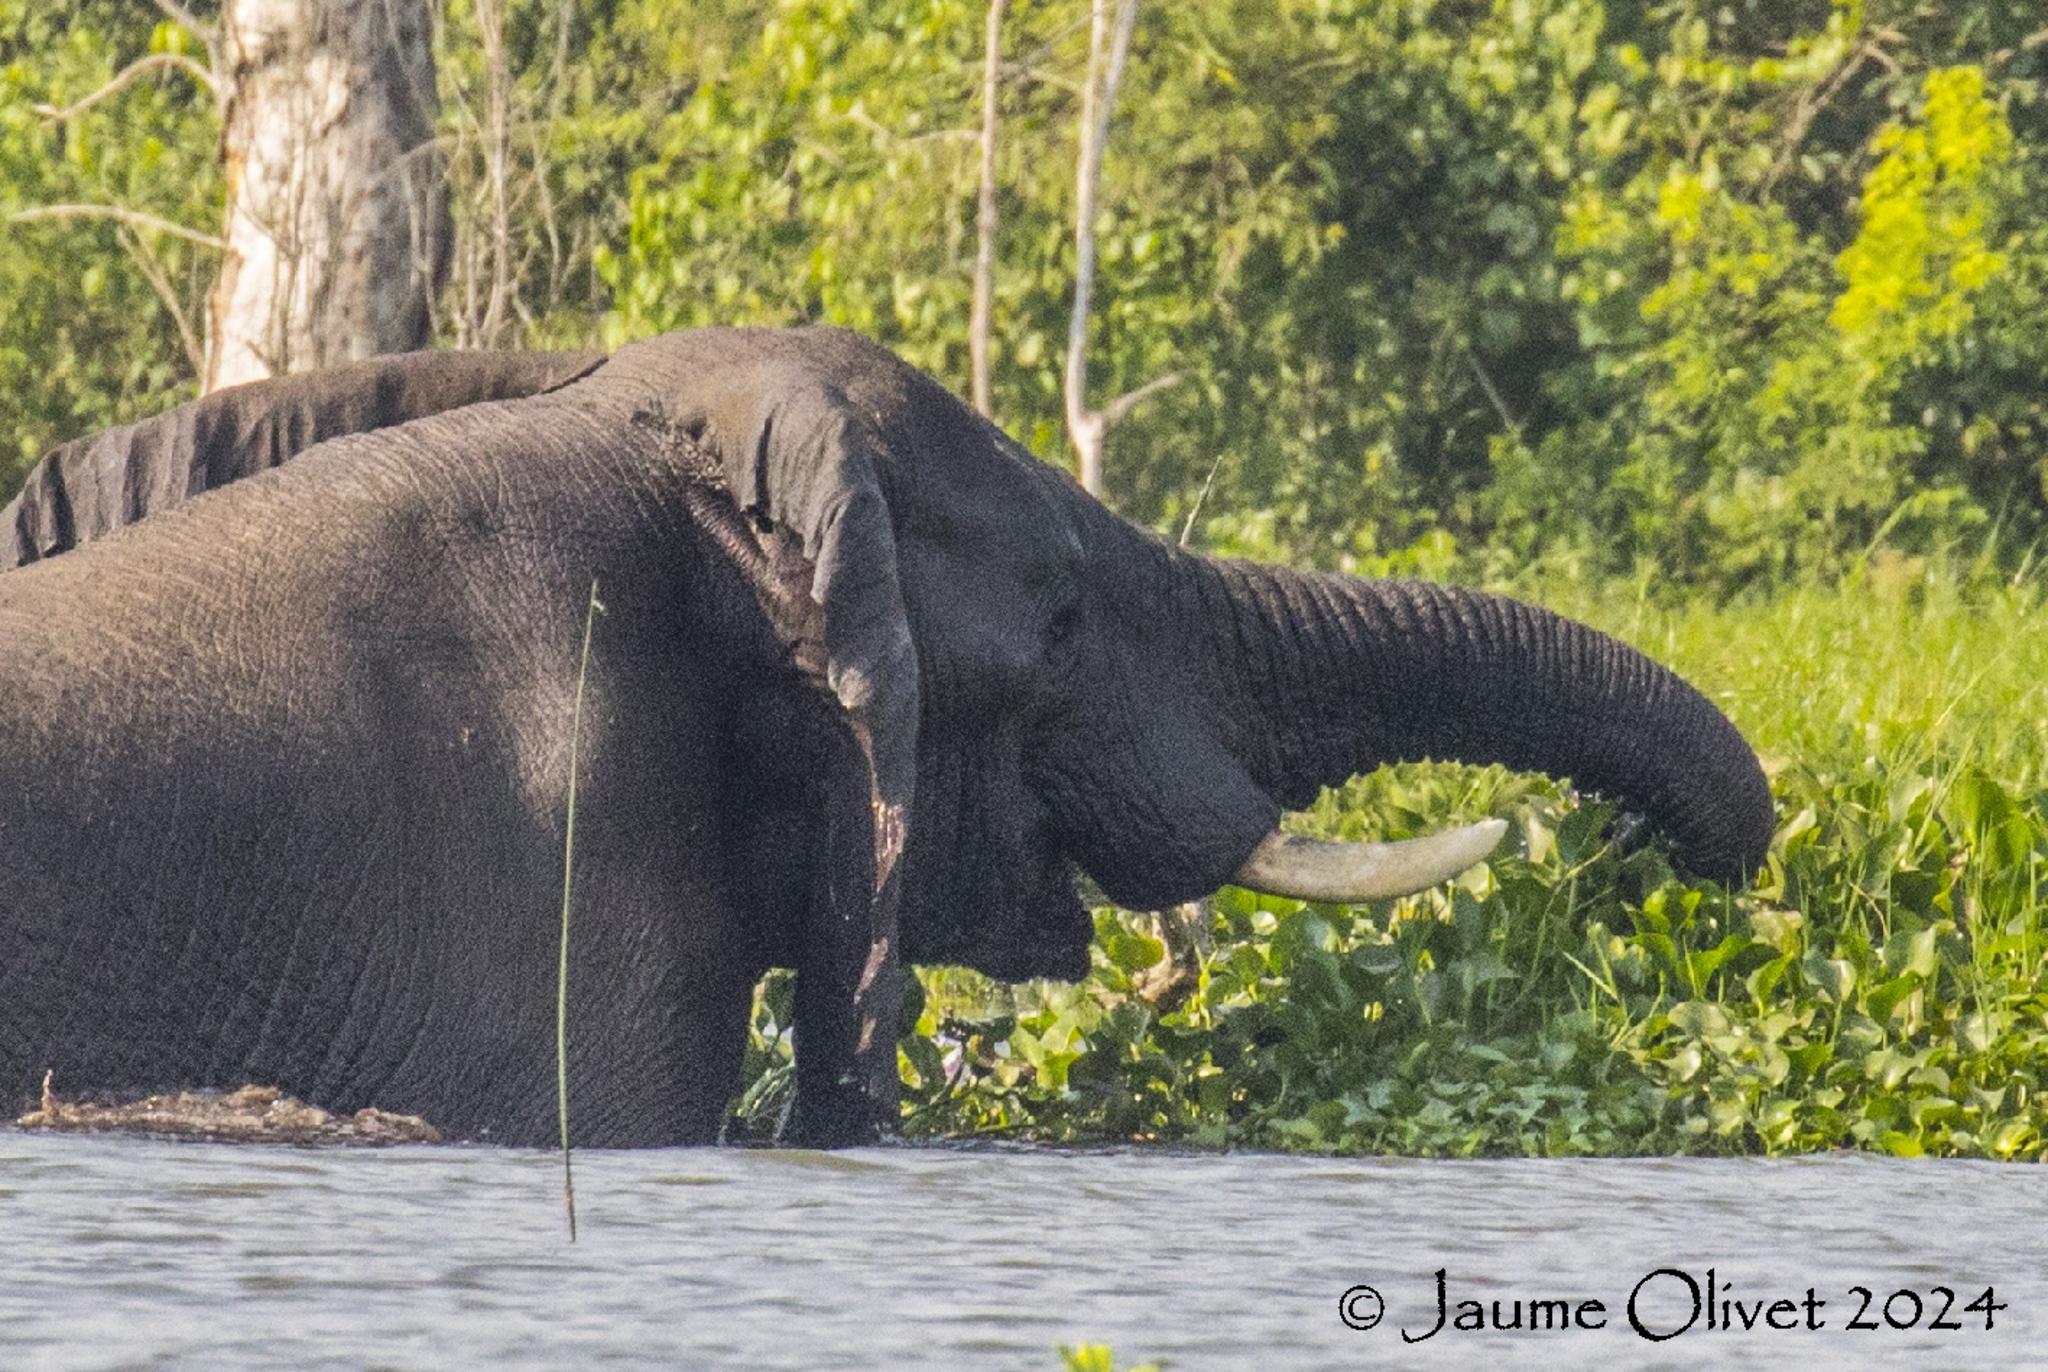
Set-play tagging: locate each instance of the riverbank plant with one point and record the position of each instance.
(1883, 986)
(1096, 1357)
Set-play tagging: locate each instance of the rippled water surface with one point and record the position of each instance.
(131, 1253)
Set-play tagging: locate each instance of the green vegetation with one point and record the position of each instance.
(1096, 1357)
(85, 339)
(1732, 291)
(1720, 324)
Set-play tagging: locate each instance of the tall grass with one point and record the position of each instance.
(590, 615)
(1884, 985)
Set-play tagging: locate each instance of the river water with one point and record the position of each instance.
(118, 1253)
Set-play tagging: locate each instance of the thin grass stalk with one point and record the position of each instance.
(568, 886)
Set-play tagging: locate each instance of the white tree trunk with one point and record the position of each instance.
(337, 228)
(1108, 47)
(981, 322)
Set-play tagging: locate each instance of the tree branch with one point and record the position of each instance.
(133, 218)
(1018, 71)
(160, 281)
(1116, 410)
(1500, 406)
(126, 77)
(497, 159)
(1810, 105)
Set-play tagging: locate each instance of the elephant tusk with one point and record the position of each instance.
(1309, 869)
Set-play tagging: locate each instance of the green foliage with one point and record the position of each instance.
(1732, 293)
(584, 90)
(1724, 292)
(1268, 165)
(86, 340)
(1096, 1357)
(1772, 405)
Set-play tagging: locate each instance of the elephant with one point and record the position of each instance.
(98, 483)
(285, 766)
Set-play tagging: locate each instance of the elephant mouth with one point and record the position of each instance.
(1214, 825)
(1041, 927)
(1016, 821)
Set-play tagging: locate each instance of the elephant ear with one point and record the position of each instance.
(789, 428)
(803, 464)
(800, 458)
(94, 485)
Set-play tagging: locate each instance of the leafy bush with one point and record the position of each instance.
(1774, 406)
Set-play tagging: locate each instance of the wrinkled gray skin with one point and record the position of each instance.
(283, 769)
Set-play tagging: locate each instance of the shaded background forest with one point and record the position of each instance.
(1711, 294)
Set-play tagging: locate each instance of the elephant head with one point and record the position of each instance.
(1085, 697)
(1025, 687)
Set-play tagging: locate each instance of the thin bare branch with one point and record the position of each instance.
(1201, 497)
(185, 16)
(127, 76)
(1500, 406)
(497, 163)
(1020, 71)
(134, 218)
(160, 282)
(981, 321)
(558, 74)
(898, 140)
(1812, 102)
(550, 225)
(1053, 40)
(1117, 410)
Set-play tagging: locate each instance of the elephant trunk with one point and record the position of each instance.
(1343, 675)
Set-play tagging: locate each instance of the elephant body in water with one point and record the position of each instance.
(283, 769)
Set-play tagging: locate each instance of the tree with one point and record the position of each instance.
(983, 318)
(337, 230)
(1109, 46)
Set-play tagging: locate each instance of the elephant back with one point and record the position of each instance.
(91, 486)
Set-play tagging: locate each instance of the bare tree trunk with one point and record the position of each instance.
(981, 323)
(336, 224)
(1109, 45)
